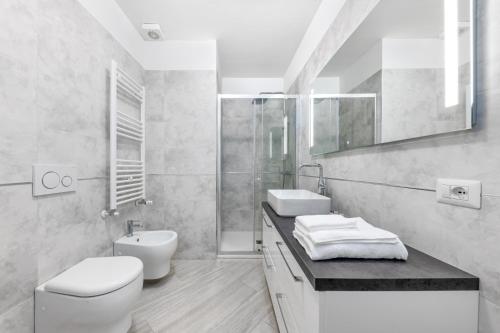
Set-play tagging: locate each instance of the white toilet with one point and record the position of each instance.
(96, 295)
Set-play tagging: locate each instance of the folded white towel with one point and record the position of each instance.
(325, 222)
(364, 233)
(352, 250)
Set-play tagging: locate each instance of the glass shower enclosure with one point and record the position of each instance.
(256, 151)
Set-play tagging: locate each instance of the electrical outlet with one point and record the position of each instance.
(466, 193)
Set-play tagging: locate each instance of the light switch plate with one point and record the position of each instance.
(54, 178)
(459, 192)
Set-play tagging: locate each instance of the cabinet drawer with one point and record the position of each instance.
(269, 269)
(267, 230)
(267, 262)
(290, 278)
(287, 322)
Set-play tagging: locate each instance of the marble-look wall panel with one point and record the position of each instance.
(182, 107)
(71, 228)
(54, 77)
(489, 316)
(187, 205)
(72, 108)
(367, 181)
(153, 217)
(237, 205)
(191, 211)
(237, 134)
(19, 319)
(18, 247)
(181, 158)
(17, 89)
(72, 100)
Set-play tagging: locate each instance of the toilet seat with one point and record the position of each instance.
(96, 295)
(96, 276)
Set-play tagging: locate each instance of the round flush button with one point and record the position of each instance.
(67, 181)
(50, 180)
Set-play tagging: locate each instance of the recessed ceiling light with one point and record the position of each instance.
(152, 32)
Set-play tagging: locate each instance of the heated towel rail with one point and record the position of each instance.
(127, 176)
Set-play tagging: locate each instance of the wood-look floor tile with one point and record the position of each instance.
(207, 314)
(256, 279)
(264, 328)
(248, 316)
(271, 318)
(225, 295)
(140, 326)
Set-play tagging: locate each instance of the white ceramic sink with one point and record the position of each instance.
(154, 248)
(298, 202)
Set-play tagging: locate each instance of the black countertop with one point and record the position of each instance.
(420, 272)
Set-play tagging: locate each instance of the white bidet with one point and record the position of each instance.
(154, 248)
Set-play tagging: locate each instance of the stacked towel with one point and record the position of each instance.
(337, 237)
(312, 223)
(362, 232)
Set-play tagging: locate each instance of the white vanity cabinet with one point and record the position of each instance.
(292, 295)
(269, 265)
(300, 308)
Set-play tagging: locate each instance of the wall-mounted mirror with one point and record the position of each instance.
(406, 72)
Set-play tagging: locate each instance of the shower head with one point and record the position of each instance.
(260, 101)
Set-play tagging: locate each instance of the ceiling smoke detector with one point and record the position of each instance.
(151, 32)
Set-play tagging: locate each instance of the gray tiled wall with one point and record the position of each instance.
(181, 158)
(54, 62)
(238, 144)
(400, 195)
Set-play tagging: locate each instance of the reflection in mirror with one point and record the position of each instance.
(276, 144)
(406, 72)
(342, 121)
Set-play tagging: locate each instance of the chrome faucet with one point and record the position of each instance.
(131, 224)
(322, 189)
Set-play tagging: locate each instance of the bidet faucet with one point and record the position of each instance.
(322, 189)
(131, 224)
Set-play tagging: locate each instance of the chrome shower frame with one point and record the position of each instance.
(220, 97)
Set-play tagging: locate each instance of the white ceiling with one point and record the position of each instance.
(255, 38)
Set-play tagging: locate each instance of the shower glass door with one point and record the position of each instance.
(256, 152)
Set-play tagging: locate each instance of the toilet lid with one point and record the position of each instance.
(96, 276)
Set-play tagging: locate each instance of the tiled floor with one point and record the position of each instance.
(237, 241)
(217, 296)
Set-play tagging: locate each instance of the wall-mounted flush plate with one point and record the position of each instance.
(466, 193)
(53, 178)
